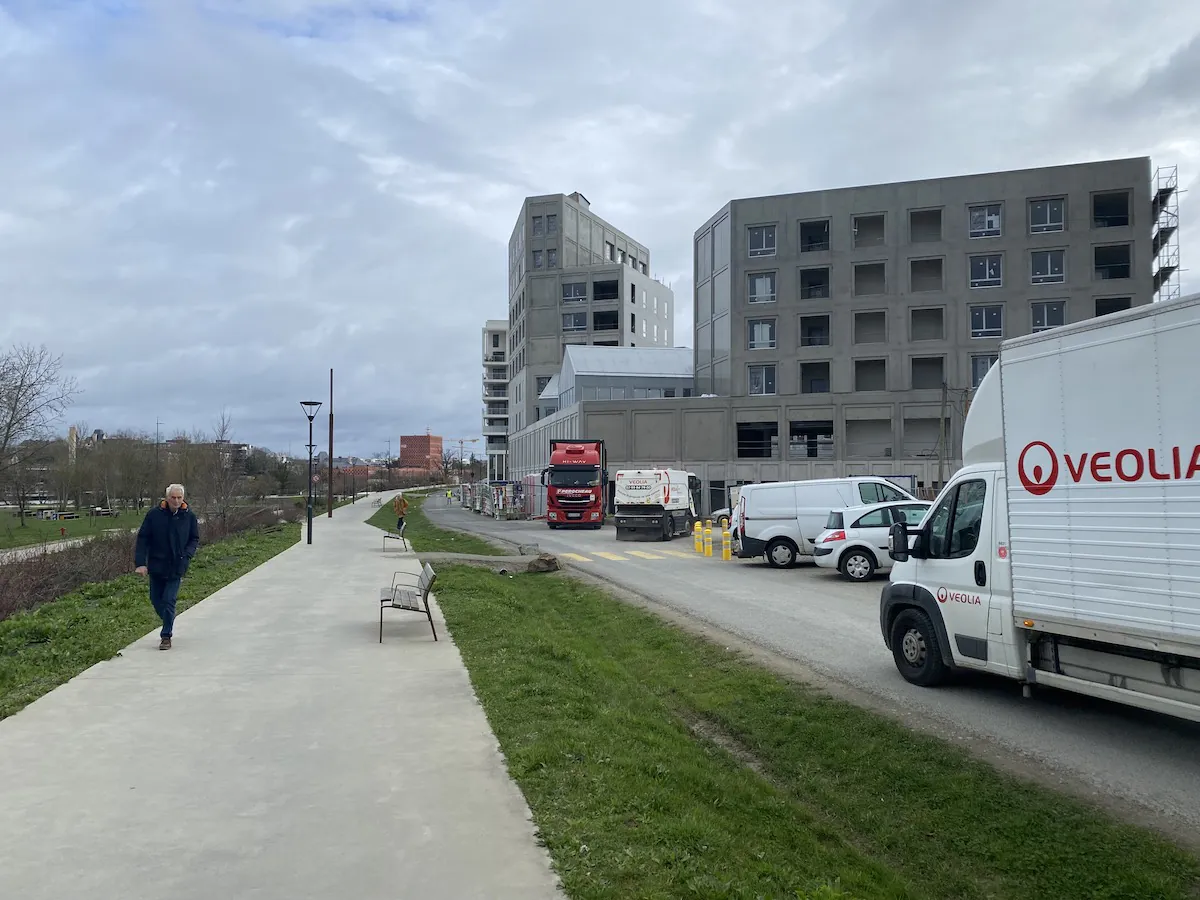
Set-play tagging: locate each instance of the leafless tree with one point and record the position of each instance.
(34, 394)
(219, 473)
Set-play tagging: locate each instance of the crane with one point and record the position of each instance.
(462, 442)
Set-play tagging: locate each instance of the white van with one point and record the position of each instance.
(781, 519)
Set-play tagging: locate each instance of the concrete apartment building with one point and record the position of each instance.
(841, 332)
(495, 398)
(574, 278)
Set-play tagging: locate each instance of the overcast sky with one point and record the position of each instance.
(203, 208)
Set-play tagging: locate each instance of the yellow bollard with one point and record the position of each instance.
(708, 523)
(726, 545)
(708, 542)
(698, 537)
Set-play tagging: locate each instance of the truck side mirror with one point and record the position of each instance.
(543, 477)
(898, 542)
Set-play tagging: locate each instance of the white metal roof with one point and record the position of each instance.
(631, 361)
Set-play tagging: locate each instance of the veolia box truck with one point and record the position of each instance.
(1066, 550)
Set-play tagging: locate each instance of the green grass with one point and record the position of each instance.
(37, 531)
(423, 534)
(596, 705)
(41, 649)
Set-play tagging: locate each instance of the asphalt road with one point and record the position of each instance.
(1146, 763)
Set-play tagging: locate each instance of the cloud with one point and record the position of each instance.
(203, 208)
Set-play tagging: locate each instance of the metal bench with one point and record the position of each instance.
(412, 597)
(397, 536)
(377, 502)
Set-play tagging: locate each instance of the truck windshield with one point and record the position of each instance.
(582, 477)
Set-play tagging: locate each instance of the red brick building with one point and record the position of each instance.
(421, 451)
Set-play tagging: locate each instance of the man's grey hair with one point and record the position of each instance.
(175, 487)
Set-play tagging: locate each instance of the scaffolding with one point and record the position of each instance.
(1165, 245)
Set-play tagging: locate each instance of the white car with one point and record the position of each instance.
(855, 539)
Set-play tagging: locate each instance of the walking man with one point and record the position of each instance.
(166, 543)
(400, 508)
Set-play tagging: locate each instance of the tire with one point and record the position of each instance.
(781, 553)
(668, 528)
(857, 564)
(723, 521)
(916, 649)
(553, 526)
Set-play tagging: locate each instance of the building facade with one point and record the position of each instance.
(574, 278)
(495, 398)
(421, 452)
(872, 312)
(842, 332)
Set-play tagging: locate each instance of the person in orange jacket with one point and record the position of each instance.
(400, 508)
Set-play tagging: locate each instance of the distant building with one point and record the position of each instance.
(495, 398)
(421, 452)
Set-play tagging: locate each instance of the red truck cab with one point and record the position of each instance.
(576, 484)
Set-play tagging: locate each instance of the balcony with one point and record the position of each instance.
(495, 430)
(496, 356)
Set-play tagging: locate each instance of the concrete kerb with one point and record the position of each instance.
(277, 748)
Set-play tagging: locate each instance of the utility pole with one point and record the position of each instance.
(157, 485)
(942, 439)
(330, 443)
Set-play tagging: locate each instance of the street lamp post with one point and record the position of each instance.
(310, 408)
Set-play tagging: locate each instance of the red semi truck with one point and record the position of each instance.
(576, 484)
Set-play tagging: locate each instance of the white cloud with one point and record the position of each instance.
(203, 208)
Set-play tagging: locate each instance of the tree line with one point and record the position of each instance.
(129, 469)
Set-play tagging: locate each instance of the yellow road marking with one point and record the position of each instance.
(575, 557)
(614, 556)
(680, 553)
(642, 554)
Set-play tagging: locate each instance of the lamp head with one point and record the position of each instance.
(310, 408)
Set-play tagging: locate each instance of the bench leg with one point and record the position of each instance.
(429, 613)
(381, 623)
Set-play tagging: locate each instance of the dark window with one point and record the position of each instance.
(756, 440)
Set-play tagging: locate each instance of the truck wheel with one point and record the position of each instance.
(668, 524)
(781, 553)
(916, 650)
(857, 565)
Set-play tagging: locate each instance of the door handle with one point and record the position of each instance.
(980, 572)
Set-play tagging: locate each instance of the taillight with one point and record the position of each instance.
(834, 536)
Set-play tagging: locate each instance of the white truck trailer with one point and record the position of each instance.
(1066, 550)
(655, 504)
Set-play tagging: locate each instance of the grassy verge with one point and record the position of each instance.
(39, 531)
(423, 534)
(660, 765)
(41, 649)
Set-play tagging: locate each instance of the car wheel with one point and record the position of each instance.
(723, 521)
(857, 565)
(916, 649)
(781, 553)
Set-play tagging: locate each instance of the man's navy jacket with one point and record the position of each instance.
(167, 541)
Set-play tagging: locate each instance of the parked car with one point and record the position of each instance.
(782, 519)
(855, 539)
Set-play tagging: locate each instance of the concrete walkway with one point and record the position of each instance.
(278, 751)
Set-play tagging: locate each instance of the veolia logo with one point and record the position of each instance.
(1038, 465)
(1038, 477)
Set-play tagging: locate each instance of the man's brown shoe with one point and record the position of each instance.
(164, 644)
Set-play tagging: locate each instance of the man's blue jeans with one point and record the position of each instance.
(163, 593)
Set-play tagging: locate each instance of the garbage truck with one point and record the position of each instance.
(655, 504)
(1065, 553)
